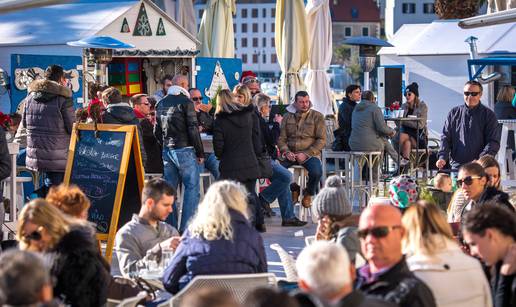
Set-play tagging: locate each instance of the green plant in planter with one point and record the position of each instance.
(213, 101)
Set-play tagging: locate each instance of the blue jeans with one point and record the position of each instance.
(314, 167)
(53, 178)
(279, 188)
(211, 164)
(181, 165)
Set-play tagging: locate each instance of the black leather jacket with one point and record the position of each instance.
(176, 124)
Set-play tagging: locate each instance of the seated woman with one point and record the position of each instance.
(409, 133)
(81, 273)
(437, 259)
(70, 200)
(219, 239)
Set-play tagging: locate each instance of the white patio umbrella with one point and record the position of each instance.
(291, 45)
(182, 11)
(320, 53)
(216, 31)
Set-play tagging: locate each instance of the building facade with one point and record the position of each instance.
(400, 12)
(354, 18)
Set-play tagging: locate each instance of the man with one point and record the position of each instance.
(24, 280)
(142, 110)
(386, 274)
(353, 96)
(470, 130)
(205, 120)
(252, 84)
(5, 170)
(145, 237)
(48, 118)
(177, 131)
(490, 232)
(302, 137)
(166, 83)
(325, 272)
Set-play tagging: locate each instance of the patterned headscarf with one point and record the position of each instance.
(403, 191)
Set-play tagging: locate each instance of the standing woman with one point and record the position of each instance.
(236, 140)
(409, 132)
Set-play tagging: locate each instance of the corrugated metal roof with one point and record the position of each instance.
(445, 37)
(58, 24)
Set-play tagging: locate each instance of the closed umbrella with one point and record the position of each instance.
(182, 11)
(216, 31)
(320, 52)
(291, 45)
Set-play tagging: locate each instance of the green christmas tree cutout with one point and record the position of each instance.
(125, 27)
(142, 27)
(161, 28)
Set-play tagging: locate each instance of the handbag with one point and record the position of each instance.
(265, 166)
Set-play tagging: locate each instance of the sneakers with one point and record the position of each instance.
(306, 201)
(293, 222)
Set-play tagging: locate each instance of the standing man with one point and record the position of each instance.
(48, 118)
(353, 96)
(252, 84)
(302, 137)
(145, 237)
(470, 130)
(166, 83)
(386, 274)
(177, 130)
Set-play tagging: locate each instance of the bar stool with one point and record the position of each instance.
(355, 162)
(201, 182)
(300, 174)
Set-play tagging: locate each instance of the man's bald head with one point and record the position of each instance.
(180, 80)
(380, 215)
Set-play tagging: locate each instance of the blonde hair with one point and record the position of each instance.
(41, 213)
(426, 229)
(226, 102)
(212, 220)
(505, 94)
(243, 90)
(69, 199)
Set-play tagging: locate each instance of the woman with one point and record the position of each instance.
(219, 239)
(436, 259)
(82, 275)
(504, 109)
(409, 133)
(70, 200)
(492, 169)
(236, 140)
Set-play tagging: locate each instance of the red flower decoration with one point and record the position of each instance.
(5, 121)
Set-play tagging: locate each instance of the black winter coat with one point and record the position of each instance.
(493, 194)
(81, 273)
(505, 110)
(270, 134)
(48, 118)
(503, 288)
(236, 140)
(342, 134)
(400, 286)
(176, 124)
(154, 162)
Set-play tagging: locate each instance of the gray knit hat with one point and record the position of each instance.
(333, 198)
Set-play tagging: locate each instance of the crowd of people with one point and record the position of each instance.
(401, 250)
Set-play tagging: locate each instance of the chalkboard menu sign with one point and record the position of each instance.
(106, 164)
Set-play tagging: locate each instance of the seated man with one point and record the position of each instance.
(302, 137)
(386, 274)
(325, 273)
(143, 238)
(24, 280)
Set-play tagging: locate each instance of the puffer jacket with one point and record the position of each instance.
(303, 132)
(368, 127)
(237, 143)
(420, 111)
(446, 269)
(194, 256)
(48, 118)
(176, 122)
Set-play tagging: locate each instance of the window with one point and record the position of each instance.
(264, 42)
(347, 31)
(255, 28)
(274, 58)
(244, 13)
(254, 13)
(244, 58)
(273, 42)
(264, 27)
(264, 13)
(264, 58)
(255, 58)
(354, 13)
(201, 11)
(273, 26)
(365, 31)
(408, 8)
(244, 28)
(255, 42)
(244, 42)
(273, 12)
(234, 28)
(428, 8)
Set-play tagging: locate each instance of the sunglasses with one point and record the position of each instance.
(473, 94)
(197, 98)
(408, 93)
(377, 232)
(468, 180)
(33, 236)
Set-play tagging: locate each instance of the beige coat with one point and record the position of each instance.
(303, 132)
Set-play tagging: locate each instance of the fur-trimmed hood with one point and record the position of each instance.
(49, 87)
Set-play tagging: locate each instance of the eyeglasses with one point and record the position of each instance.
(248, 80)
(468, 180)
(197, 98)
(473, 94)
(377, 232)
(33, 236)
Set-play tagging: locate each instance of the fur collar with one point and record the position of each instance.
(177, 90)
(51, 87)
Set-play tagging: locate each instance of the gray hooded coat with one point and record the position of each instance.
(368, 128)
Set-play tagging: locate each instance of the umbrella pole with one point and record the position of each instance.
(366, 80)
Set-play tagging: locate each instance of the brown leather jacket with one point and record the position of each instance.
(303, 132)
